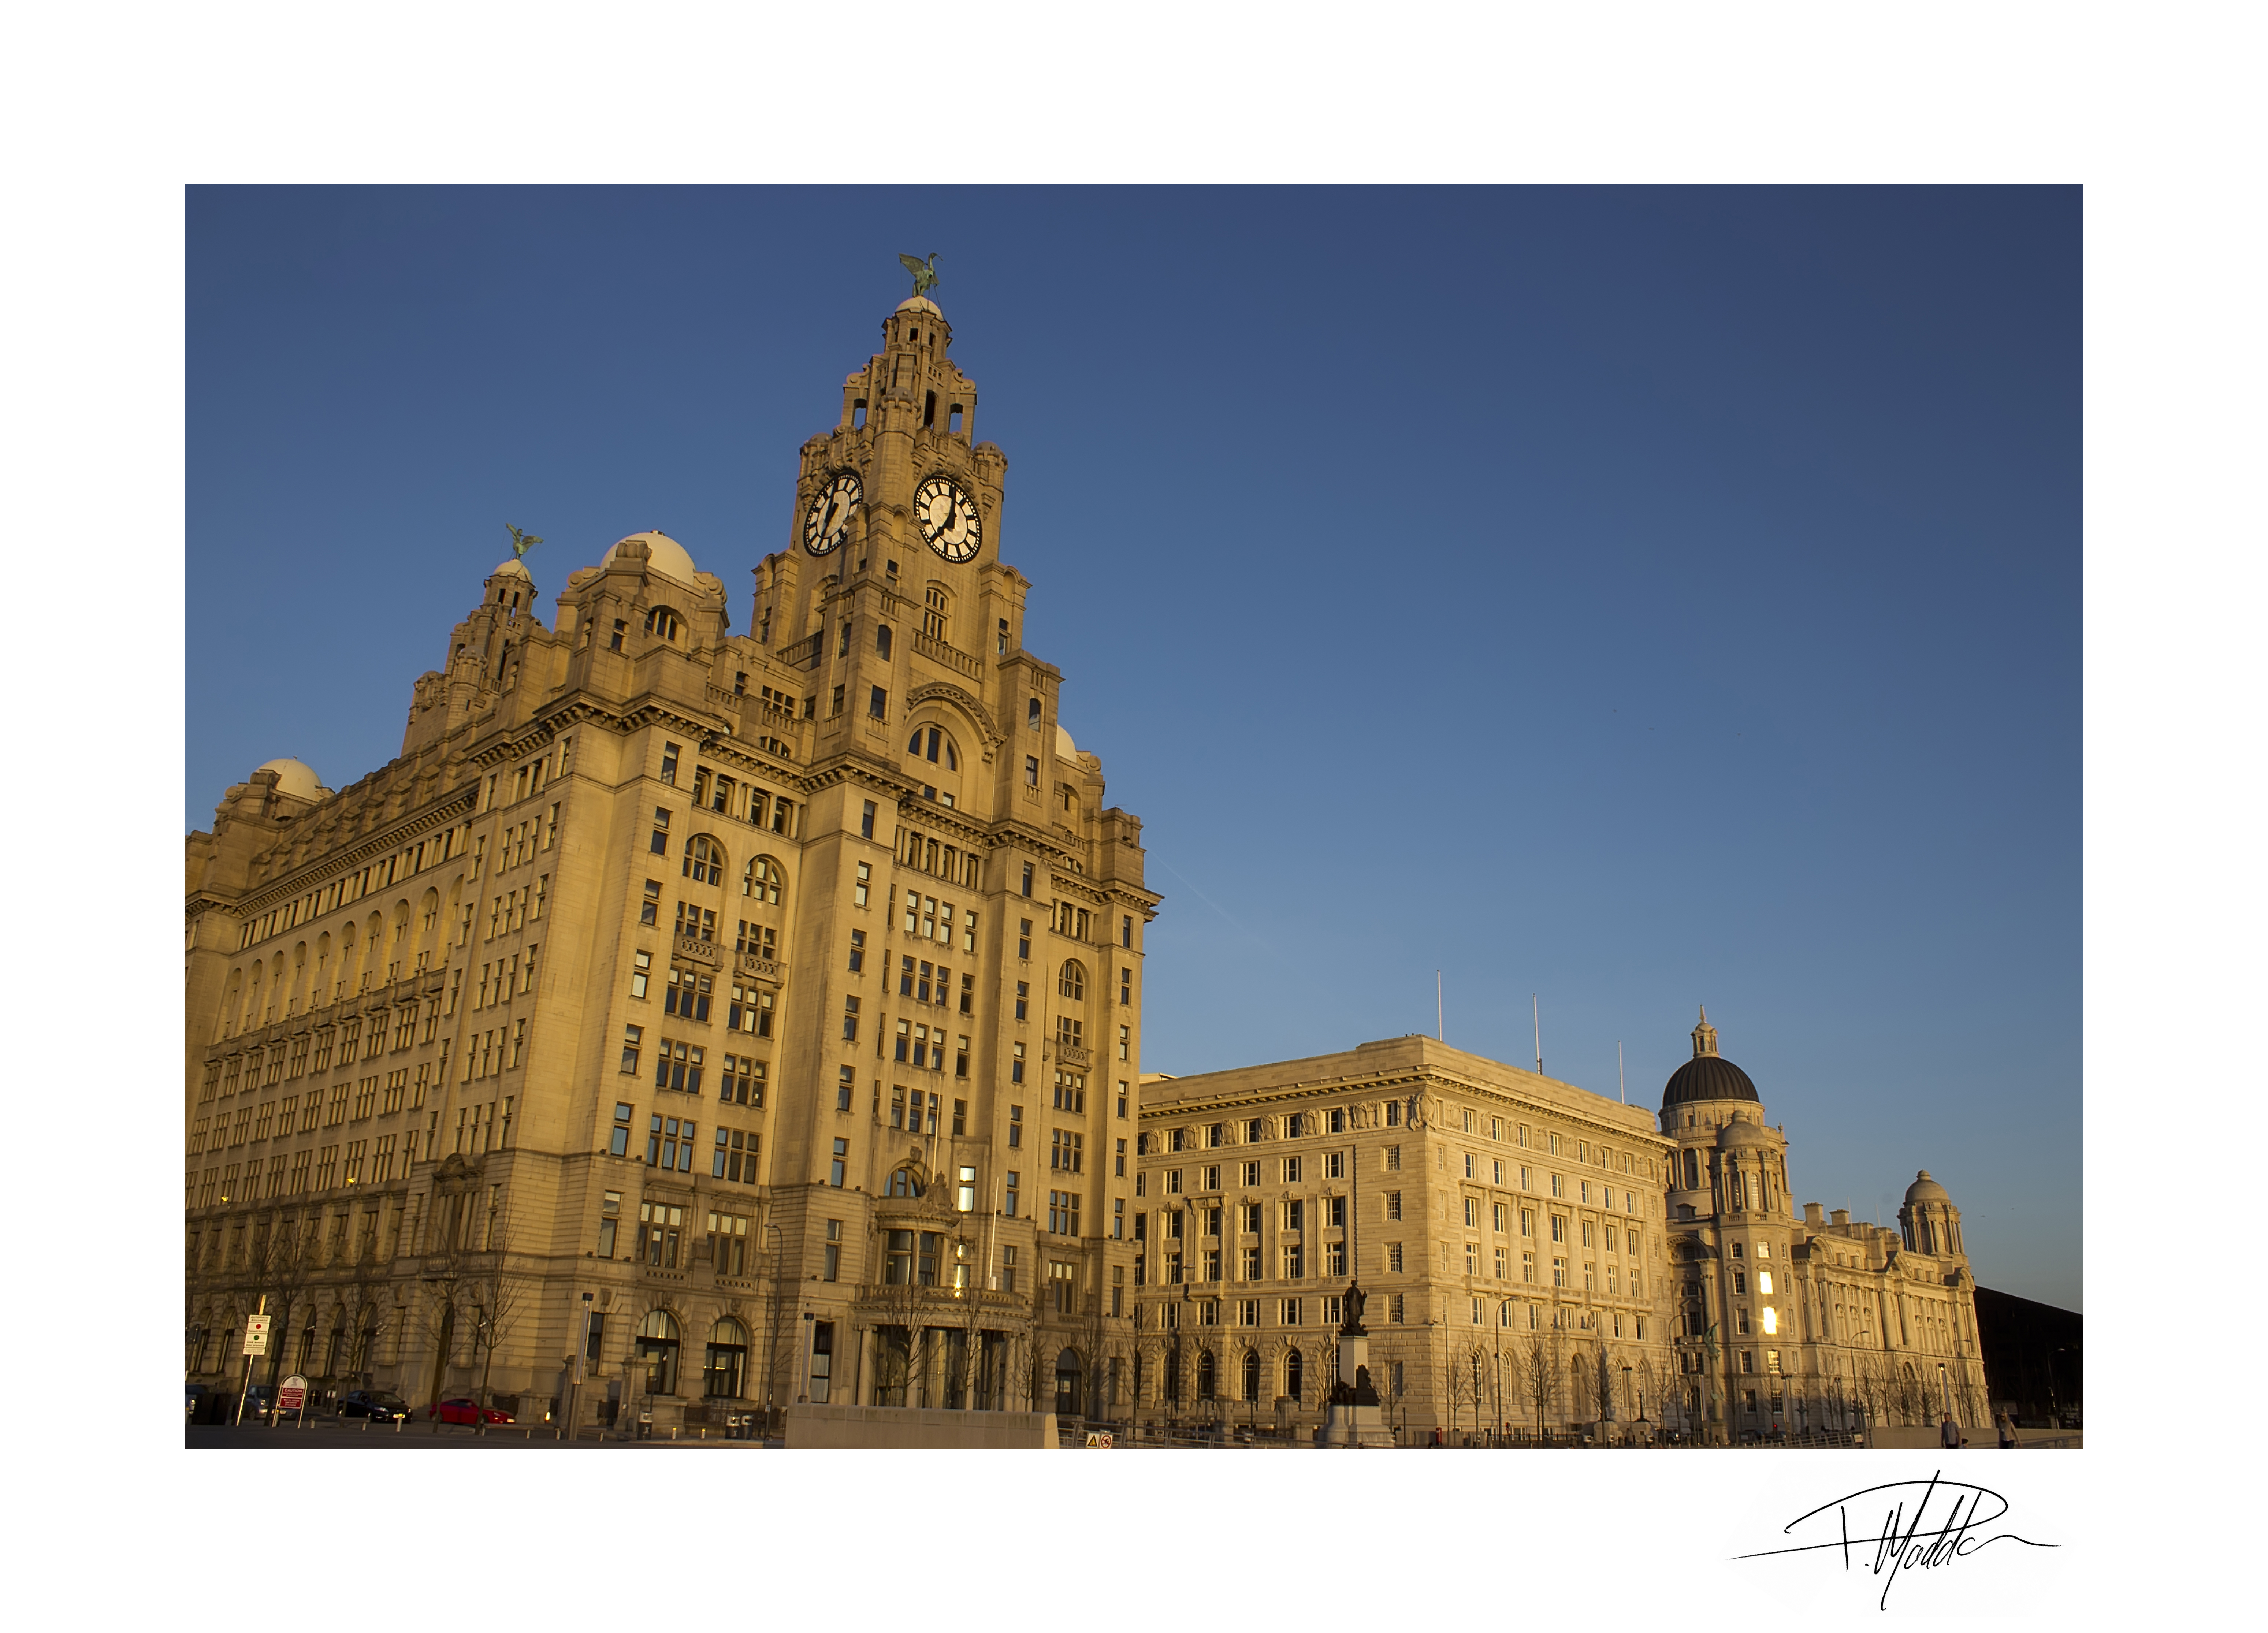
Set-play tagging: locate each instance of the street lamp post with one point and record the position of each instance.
(771, 1325)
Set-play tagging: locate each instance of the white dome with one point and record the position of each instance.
(1065, 749)
(514, 568)
(920, 303)
(664, 555)
(295, 777)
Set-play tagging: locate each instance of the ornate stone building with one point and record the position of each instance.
(1803, 1321)
(1506, 1226)
(757, 1013)
(1540, 1257)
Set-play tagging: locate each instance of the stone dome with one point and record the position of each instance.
(1708, 1076)
(1740, 1130)
(512, 569)
(664, 555)
(1065, 749)
(1926, 1190)
(295, 777)
(922, 304)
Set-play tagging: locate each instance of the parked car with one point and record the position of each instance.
(380, 1404)
(464, 1411)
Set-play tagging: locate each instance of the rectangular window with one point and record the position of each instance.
(850, 1020)
(877, 704)
(866, 819)
(1013, 1182)
(835, 1168)
(610, 1213)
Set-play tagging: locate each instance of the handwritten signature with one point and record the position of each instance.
(1944, 1527)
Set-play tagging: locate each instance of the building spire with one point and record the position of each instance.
(1705, 1036)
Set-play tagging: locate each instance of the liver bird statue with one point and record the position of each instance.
(925, 275)
(521, 542)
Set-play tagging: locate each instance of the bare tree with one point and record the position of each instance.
(1602, 1381)
(1649, 1383)
(1539, 1373)
(1582, 1385)
(497, 1292)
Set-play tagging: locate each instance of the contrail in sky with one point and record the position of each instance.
(1207, 900)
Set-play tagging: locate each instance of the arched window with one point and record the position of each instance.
(761, 881)
(1291, 1369)
(428, 910)
(1205, 1379)
(660, 621)
(904, 1182)
(705, 860)
(657, 1352)
(882, 640)
(727, 1362)
(1032, 713)
(930, 743)
(1072, 983)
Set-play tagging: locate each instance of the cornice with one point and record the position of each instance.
(1387, 1078)
(439, 814)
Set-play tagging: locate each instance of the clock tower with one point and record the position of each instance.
(962, 1053)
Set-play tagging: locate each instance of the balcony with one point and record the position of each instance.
(951, 657)
(761, 968)
(697, 951)
(1073, 1055)
(803, 654)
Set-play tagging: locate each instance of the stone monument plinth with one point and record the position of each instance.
(1355, 1420)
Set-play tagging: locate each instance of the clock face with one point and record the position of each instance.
(827, 522)
(948, 519)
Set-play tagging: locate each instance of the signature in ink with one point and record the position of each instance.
(1946, 1525)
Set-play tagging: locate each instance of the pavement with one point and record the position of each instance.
(358, 1433)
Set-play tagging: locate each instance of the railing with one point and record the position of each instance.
(952, 656)
(803, 654)
(699, 951)
(766, 969)
(1071, 1055)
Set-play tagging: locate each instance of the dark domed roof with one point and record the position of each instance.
(1708, 1076)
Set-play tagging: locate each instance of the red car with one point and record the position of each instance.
(463, 1411)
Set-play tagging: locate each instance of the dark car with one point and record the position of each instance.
(385, 1407)
(463, 1411)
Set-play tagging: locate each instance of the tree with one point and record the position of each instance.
(1649, 1385)
(1538, 1369)
(1582, 1383)
(497, 1291)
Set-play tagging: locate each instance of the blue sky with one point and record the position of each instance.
(1639, 597)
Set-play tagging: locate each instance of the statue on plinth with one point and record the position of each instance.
(1353, 1302)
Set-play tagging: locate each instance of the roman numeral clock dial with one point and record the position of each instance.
(947, 518)
(827, 522)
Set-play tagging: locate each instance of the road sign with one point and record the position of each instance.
(255, 1333)
(293, 1395)
(1099, 1439)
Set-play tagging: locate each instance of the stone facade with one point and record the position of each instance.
(1538, 1258)
(758, 1013)
(1506, 1228)
(1791, 1320)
